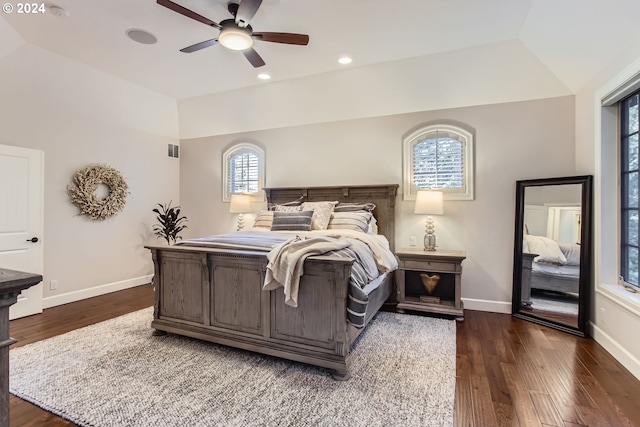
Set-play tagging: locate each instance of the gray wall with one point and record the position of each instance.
(77, 115)
(519, 140)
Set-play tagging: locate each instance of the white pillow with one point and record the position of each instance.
(546, 248)
(571, 251)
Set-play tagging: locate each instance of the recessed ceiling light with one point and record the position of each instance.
(264, 76)
(141, 36)
(344, 60)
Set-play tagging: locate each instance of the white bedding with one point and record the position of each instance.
(569, 271)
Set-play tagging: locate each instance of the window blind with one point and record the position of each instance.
(438, 162)
(244, 173)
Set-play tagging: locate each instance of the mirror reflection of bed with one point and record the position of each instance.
(551, 253)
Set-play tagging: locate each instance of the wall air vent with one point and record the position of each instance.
(174, 150)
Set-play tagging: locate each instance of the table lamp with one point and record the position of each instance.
(240, 204)
(431, 203)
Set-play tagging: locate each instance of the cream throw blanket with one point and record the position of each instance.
(286, 261)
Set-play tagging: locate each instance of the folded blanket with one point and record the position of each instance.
(239, 240)
(285, 262)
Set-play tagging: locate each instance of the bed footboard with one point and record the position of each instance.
(216, 295)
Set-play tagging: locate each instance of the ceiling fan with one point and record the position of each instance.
(236, 33)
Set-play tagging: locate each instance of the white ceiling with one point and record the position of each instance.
(573, 38)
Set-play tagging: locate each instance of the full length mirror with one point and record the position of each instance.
(552, 252)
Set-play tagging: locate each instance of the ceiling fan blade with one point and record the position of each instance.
(253, 57)
(287, 38)
(188, 13)
(246, 11)
(198, 46)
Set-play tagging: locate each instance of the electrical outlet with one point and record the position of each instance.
(412, 241)
(602, 311)
(53, 285)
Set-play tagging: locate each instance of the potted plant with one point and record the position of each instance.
(170, 222)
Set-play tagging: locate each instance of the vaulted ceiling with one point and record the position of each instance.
(574, 39)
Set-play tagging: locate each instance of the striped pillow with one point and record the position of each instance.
(354, 207)
(297, 202)
(286, 208)
(264, 219)
(294, 221)
(357, 221)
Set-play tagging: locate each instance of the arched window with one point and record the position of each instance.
(439, 157)
(243, 172)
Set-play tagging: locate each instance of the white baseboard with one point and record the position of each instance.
(620, 353)
(487, 305)
(56, 300)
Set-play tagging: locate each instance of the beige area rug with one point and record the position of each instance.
(115, 373)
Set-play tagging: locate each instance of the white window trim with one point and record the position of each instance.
(226, 157)
(467, 139)
(606, 230)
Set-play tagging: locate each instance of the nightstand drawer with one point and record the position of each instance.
(428, 265)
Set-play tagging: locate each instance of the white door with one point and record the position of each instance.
(21, 220)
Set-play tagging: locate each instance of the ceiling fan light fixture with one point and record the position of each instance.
(235, 39)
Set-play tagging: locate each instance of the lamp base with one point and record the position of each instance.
(430, 242)
(240, 222)
(429, 237)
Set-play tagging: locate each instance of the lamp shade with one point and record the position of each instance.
(240, 203)
(429, 202)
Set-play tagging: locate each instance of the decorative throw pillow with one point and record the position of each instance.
(297, 202)
(321, 213)
(263, 219)
(292, 221)
(283, 208)
(546, 248)
(354, 207)
(357, 221)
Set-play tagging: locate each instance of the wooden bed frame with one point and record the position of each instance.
(216, 295)
(532, 279)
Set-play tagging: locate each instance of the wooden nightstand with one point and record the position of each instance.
(412, 295)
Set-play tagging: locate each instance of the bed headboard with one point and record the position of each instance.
(384, 197)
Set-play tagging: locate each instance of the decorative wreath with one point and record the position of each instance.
(85, 183)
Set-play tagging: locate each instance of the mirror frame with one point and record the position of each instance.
(586, 243)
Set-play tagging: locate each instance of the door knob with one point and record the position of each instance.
(33, 240)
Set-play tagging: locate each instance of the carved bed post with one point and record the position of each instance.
(343, 274)
(157, 290)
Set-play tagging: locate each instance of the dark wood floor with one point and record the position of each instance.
(509, 372)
